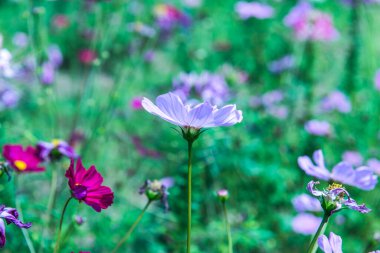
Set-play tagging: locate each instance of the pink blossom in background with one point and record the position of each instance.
(335, 101)
(377, 80)
(87, 56)
(352, 157)
(310, 24)
(318, 127)
(60, 21)
(136, 103)
(374, 165)
(247, 10)
(305, 223)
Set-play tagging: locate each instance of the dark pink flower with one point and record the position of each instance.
(22, 160)
(86, 185)
(136, 103)
(87, 56)
(60, 21)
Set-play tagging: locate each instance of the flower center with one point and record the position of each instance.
(79, 191)
(334, 186)
(56, 142)
(20, 165)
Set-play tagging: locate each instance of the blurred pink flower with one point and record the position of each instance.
(136, 103)
(87, 56)
(310, 24)
(60, 21)
(318, 127)
(247, 10)
(305, 223)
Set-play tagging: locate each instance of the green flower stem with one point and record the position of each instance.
(228, 228)
(56, 248)
(50, 206)
(24, 231)
(321, 229)
(128, 234)
(190, 151)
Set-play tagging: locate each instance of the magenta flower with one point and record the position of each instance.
(305, 223)
(169, 107)
(55, 150)
(168, 16)
(86, 185)
(335, 198)
(333, 244)
(362, 178)
(136, 103)
(87, 56)
(247, 10)
(22, 160)
(318, 127)
(60, 21)
(10, 215)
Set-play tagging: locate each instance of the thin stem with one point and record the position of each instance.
(56, 248)
(128, 234)
(321, 229)
(228, 228)
(51, 201)
(25, 232)
(189, 167)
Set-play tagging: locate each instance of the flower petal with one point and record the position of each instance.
(227, 116)
(312, 190)
(2, 234)
(201, 115)
(324, 244)
(306, 165)
(351, 203)
(153, 109)
(365, 178)
(335, 242)
(343, 173)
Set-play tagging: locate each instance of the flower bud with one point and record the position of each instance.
(79, 220)
(223, 195)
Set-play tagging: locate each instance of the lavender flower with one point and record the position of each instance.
(352, 157)
(349, 2)
(362, 178)
(336, 100)
(9, 97)
(306, 203)
(318, 127)
(374, 165)
(170, 108)
(142, 29)
(47, 73)
(285, 63)
(305, 223)
(55, 55)
(6, 68)
(10, 215)
(272, 97)
(335, 198)
(333, 244)
(55, 150)
(247, 10)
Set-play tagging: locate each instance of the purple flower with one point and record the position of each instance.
(318, 127)
(336, 100)
(55, 150)
(272, 97)
(374, 165)
(55, 55)
(247, 10)
(6, 68)
(280, 112)
(210, 87)
(362, 178)
(285, 63)
(168, 17)
(333, 244)
(10, 215)
(20, 39)
(142, 29)
(9, 97)
(305, 223)
(377, 80)
(335, 198)
(349, 2)
(352, 157)
(306, 203)
(47, 73)
(169, 107)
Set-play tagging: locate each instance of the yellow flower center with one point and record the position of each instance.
(334, 186)
(20, 165)
(56, 142)
(156, 185)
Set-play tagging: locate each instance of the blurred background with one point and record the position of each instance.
(303, 73)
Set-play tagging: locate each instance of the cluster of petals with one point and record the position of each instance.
(337, 196)
(170, 108)
(363, 177)
(332, 244)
